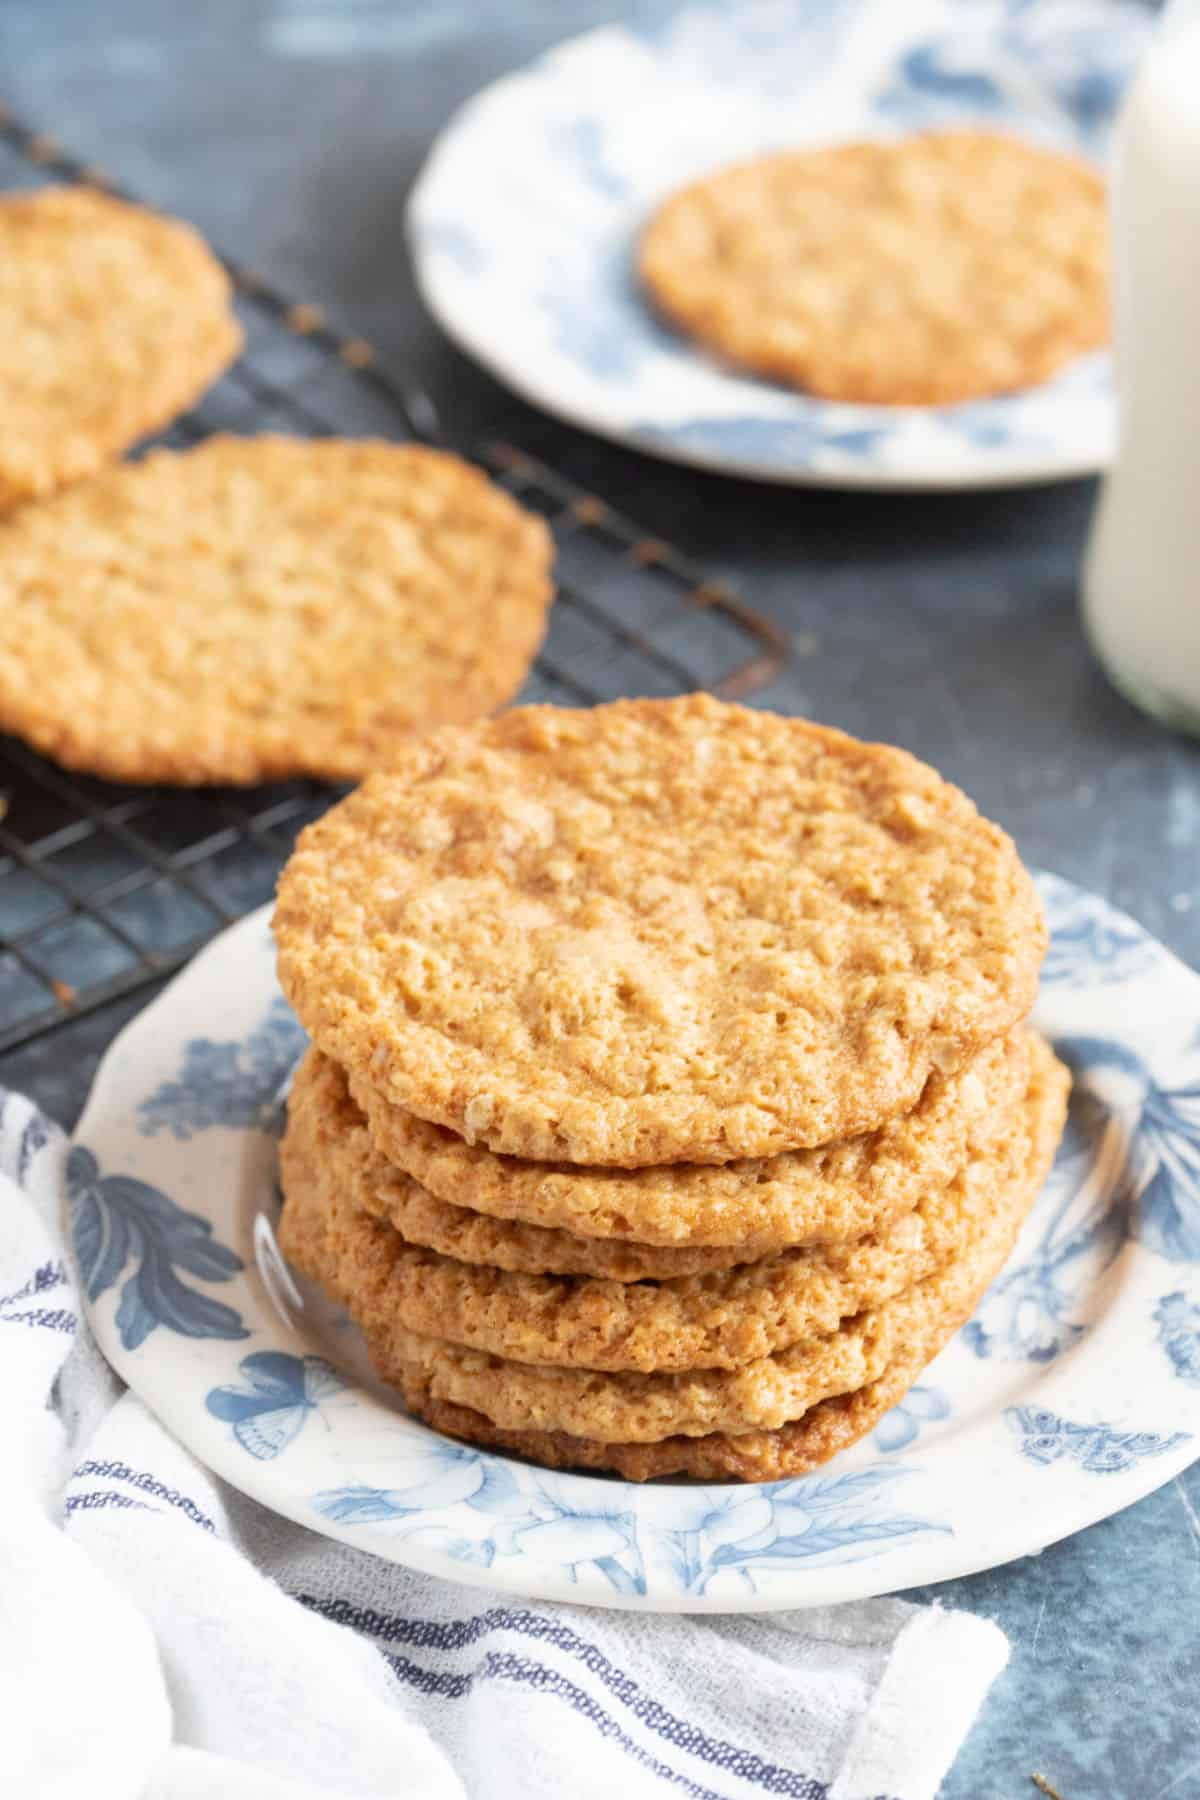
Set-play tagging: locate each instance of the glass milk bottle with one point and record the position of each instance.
(1141, 594)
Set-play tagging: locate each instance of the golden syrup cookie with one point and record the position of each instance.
(937, 268)
(264, 607)
(113, 319)
(655, 931)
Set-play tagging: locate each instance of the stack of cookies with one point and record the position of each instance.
(670, 1101)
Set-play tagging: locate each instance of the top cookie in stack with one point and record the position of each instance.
(655, 932)
(666, 993)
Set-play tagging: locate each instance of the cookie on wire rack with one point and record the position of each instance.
(264, 607)
(113, 319)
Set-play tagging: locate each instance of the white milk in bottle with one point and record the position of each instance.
(1141, 596)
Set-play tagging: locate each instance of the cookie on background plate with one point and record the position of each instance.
(655, 931)
(940, 267)
(265, 607)
(113, 319)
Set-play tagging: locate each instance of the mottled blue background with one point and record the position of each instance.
(290, 130)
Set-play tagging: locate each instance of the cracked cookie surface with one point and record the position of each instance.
(655, 931)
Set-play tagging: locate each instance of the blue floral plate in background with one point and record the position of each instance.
(524, 220)
(1073, 1391)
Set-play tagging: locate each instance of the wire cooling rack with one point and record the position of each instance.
(103, 889)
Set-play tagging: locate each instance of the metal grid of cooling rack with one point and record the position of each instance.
(102, 888)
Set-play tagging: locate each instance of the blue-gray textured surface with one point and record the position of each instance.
(290, 131)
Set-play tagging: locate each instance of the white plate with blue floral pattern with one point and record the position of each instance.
(1073, 1391)
(523, 221)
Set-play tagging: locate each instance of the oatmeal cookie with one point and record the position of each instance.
(940, 267)
(113, 319)
(655, 931)
(351, 1256)
(264, 607)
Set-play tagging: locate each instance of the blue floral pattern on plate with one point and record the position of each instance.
(745, 1532)
(522, 1517)
(750, 1532)
(1100, 1449)
(1090, 943)
(1162, 1124)
(524, 221)
(1080, 1223)
(1178, 1321)
(1083, 1361)
(115, 1218)
(279, 1393)
(922, 1405)
(234, 1084)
